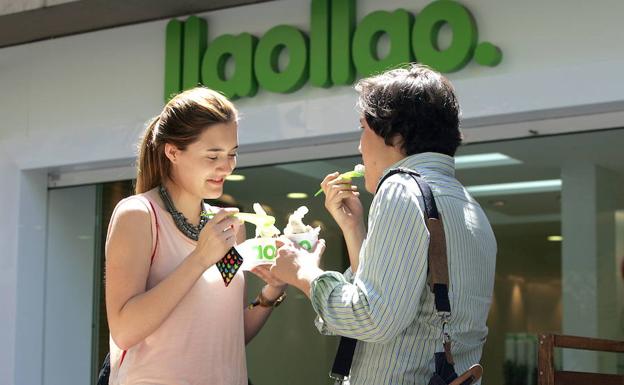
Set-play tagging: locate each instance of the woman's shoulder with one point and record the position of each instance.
(133, 203)
(137, 203)
(129, 230)
(134, 209)
(130, 220)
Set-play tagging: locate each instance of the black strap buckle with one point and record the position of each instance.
(339, 379)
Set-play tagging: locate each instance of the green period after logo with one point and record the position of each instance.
(334, 53)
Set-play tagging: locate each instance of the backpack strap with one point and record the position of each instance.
(437, 276)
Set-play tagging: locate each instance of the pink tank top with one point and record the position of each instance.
(202, 341)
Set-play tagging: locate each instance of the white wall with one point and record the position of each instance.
(98, 88)
(8, 259)
(30, 276)
(82, 100)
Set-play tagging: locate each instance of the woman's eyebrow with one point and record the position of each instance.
(219, 149)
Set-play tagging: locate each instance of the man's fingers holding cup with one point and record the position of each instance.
(319, 248)
(283, 241)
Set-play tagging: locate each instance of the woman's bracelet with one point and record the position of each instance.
(262, 301)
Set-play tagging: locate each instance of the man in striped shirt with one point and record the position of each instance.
(410, 119)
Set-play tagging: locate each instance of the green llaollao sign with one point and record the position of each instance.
(335, 51)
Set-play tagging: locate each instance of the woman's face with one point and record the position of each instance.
(202, 167)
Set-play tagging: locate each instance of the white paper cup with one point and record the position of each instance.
(306, 240)
(257, 251)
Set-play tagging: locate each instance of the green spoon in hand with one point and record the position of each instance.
(256, 219)
(357, 172)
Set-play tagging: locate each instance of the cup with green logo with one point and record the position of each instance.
(301, 234)
(306, 240)
(257, 251)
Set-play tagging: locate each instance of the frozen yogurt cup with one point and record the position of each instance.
(306, 240)
(300, 233)
(266, 230)
(257, 251)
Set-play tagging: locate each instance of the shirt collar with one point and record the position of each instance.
(427, 161)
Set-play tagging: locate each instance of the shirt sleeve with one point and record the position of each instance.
(318, 322)
(348, 275)
(382, 298)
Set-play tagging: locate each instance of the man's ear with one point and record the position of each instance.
(397, 143)
(171, 152)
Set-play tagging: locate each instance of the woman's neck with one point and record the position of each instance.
(188, 204)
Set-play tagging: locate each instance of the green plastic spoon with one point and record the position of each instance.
(256, 219)
(347, 175)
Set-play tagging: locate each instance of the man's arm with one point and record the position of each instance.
(385, 293)
(383, 298)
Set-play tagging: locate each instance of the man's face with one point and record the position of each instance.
(374, 151)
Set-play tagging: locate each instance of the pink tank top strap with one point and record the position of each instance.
(155, 227)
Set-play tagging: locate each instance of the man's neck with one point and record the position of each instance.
(394, 156)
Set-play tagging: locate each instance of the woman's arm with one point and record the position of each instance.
(256, 317)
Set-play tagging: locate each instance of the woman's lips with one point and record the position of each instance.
(216, 181)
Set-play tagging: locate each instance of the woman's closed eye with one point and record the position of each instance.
(214, 157)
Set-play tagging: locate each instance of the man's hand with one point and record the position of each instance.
(297, 266)
(343, 203)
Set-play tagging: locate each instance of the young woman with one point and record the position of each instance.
(171, 317)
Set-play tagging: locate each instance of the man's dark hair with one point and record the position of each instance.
(415, 103)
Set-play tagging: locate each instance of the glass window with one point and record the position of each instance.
(519, 185)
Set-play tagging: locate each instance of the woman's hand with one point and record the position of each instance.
(342, 202)
(264, 273)
(217, 237)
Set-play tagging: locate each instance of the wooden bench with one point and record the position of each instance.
(547, 375)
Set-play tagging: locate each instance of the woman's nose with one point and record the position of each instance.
(226, 165)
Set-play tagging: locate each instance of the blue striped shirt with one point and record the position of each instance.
(386, 304)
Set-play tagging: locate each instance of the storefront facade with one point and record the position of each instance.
(74, 108)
